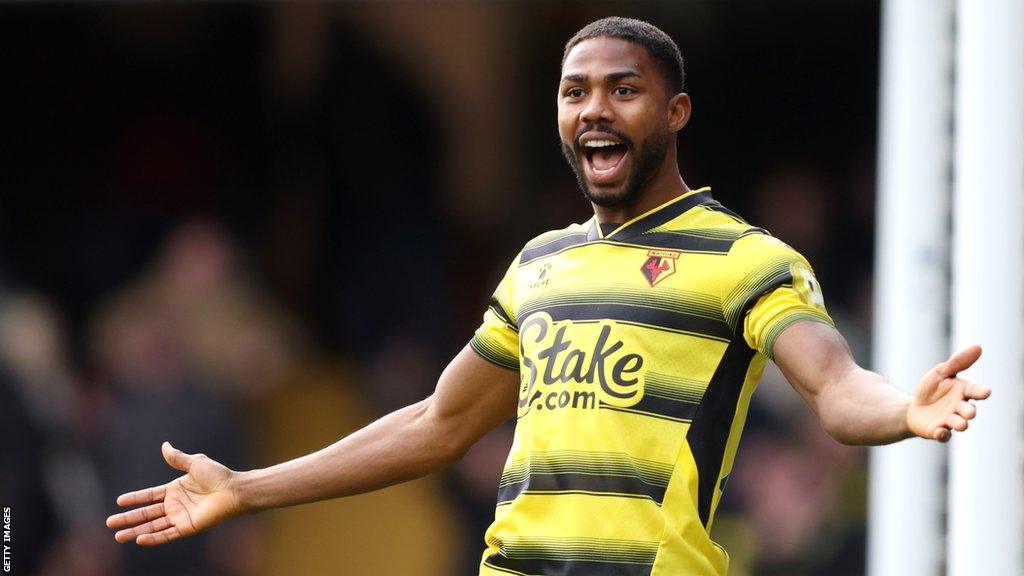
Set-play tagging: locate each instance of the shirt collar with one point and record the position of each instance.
(652, 218)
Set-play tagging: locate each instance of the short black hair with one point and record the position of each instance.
(659, 45)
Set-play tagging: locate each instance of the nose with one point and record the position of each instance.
(597, 109)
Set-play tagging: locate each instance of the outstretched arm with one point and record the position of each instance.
(857, 406)
(472, 397)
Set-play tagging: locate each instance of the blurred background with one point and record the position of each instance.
(253, 228)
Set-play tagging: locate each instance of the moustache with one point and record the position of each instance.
(600, 127)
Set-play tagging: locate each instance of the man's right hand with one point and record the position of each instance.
(200, 499)
(472, 397)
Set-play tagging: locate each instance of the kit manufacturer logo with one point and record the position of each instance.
(542, 276)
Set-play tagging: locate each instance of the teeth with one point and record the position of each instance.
(600, 143)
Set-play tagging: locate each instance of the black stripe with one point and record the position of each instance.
(662, 216)
(678, 410)
(683, 242)
(567, 567)
(691, 242)
(717, 207)
(673, 320)
(710, 428)
(492, 355)
(659, 218)
(752, 298)
(600, 484)
(500, 312)
(504, 570)
(572, 239)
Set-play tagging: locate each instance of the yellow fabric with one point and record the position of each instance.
(760, 261)
(638, 352)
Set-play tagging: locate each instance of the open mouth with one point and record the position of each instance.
(604, 158)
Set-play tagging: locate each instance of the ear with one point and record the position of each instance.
(678, 111)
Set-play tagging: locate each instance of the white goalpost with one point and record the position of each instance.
(911, 273)
(919, 320)
(986, 468)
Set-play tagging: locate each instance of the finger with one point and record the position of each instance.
(942, 434)
(956, 422)
(137, 516)
(966, 409)
(959, 362)
(163, 537)
(976, 391)
(176, 458)
(140, 497)
(130, 534)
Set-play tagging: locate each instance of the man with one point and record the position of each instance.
(627, 347)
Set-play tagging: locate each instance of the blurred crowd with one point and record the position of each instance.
(252, 229)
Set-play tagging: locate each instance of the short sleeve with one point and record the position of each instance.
(768, 287)
(497, 338)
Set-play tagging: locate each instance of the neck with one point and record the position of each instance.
(666, 184)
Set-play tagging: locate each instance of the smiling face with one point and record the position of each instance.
(617, 120)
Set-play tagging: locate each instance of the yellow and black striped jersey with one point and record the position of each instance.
(638, 351)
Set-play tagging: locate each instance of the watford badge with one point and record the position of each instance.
(660, 264)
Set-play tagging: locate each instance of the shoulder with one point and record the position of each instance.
(758, 245)
(708, 228)
(744, 239)
(752, 254)
(554, 240)
(550, 236)
(707, 216)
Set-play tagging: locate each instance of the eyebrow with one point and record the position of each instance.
(608, 78)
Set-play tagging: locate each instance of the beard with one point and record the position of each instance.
(647, 159)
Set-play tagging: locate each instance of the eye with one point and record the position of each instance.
(574, 92)
(623, 91)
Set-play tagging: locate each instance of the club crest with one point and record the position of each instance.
(660, 264)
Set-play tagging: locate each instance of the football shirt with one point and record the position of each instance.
(638, 351)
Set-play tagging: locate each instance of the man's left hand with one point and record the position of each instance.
(942, 401)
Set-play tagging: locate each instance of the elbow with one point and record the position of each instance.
(829, 426)
(444, 442)
(452, 449)
(455, 452)
(844, 414)
(839, 434)
(834, 423)
(827, 403)
(848, 428)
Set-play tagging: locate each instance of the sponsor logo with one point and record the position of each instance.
(591, 368)
(660, 264)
